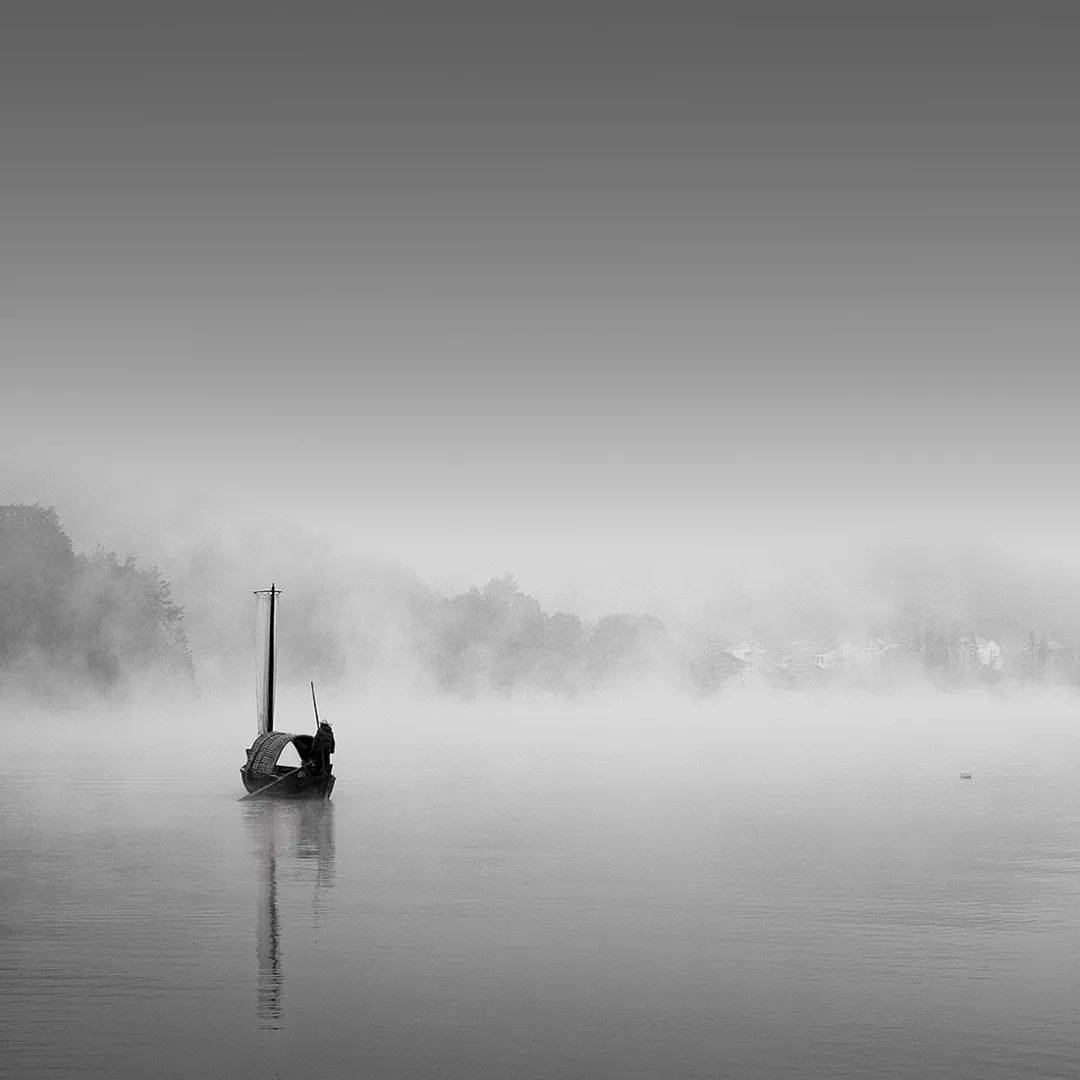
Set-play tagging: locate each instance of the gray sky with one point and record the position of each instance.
(504, 289)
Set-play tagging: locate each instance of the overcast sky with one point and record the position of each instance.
(522, 284)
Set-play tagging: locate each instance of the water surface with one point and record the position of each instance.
(548, 902)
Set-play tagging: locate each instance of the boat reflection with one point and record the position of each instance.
(295, 840)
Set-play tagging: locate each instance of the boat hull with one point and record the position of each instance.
(298, 785)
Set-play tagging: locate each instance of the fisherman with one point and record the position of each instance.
(322, 746)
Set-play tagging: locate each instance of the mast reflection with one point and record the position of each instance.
(268, 987)
(298, 838)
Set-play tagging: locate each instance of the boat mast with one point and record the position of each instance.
(270, 665)
(265, 657)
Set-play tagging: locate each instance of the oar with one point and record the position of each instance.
(284, 776)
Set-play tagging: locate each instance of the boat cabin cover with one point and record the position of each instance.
(262, 758)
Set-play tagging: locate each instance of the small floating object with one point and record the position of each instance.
(965, 776)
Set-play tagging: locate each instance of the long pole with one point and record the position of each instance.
(316, 704)
(259, 791)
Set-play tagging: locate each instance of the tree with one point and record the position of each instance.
(82, 615)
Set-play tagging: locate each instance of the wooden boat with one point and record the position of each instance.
(264, 778)
(965, 776)
(262, 774)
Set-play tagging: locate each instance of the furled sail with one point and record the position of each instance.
(265, 657)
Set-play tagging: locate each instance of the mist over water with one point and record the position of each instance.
(621, 874)
(753, 885)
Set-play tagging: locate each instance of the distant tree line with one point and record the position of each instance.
(901, 614)
(66, 616)
(500, 637)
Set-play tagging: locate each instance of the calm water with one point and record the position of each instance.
(528, 906)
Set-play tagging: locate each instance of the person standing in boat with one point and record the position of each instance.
(322, 746)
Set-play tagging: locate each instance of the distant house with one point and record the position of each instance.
(1056, 652)
(796, 662)
(972, 655)
(849, 656)
(838, 658)
(713, 666)
(754, 656)
(990, 655)
(1059, 660)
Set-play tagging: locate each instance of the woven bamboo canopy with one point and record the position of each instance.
(266, 749)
